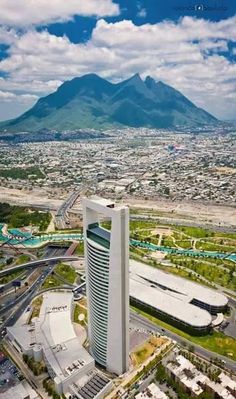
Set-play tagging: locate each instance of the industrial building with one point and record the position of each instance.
(51, 337)
(107, 283)
(174, 299)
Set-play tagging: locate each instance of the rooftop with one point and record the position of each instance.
(152, 391)
(54, 332)
(177, 286)
(183, 311)
(99, 235)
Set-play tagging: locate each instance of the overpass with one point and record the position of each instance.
(39, 262)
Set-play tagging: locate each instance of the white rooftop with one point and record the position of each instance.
(188, 374)
(183, 311)
(100, 204)
(152, 391)
(20, 391)
(54, 332)
(54, 321)
(182, 288)
(195, 380)
(101, 201)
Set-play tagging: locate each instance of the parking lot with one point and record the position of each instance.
(9, 374)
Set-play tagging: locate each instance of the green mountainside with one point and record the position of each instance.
(94, 103)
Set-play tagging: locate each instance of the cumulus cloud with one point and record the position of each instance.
(21, 13)
(189, 55)
(7, 35)
(9, 96)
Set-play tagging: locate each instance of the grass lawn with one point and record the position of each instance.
(67, 272)
(22, 259)
(79, 249)
(51, 281)
(77, 311)
(167, 242)
(211, 271)
(212, 246)
(36, 304)
(145, 350)
(170, 269)
(217, 342)
(12, 276)
(186, 244)
(196, 232)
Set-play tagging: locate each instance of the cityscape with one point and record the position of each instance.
(173, 166)
(117, 199)
(65, 319)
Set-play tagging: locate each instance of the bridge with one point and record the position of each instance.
(39, 262)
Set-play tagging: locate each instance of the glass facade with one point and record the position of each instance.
(98, 274)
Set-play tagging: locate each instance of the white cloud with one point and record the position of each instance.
(23, 13)
(9, 96)
(7, 35)
(6, 95)
(142, 13)
(187, 55)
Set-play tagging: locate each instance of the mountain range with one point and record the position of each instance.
(95, 103)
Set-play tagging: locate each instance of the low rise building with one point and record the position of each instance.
(152, 392)
(51, 337)
(20, 391)
(194, 382)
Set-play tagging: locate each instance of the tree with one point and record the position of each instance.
(25, 358)
(55, 395)
(191, 348)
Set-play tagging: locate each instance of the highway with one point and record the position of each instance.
(24, 300)
(144, 323)
(29, 296)
(61, 220)
(19, 304)
(39, 262)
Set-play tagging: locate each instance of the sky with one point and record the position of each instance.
(187, 44)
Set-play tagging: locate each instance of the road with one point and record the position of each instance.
(38, 262)
(24, 300)
(143, 323)
(61, 219)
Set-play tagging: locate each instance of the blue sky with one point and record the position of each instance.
(188, 44)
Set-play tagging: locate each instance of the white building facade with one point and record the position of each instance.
(107, 283)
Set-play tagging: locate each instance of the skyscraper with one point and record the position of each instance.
(107, 283)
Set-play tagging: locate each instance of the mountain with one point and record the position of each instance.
(92, 102)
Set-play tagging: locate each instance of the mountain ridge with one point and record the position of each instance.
(92, 102)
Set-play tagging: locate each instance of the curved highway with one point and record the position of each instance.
(35, 263)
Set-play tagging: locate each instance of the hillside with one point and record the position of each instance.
(94, 103)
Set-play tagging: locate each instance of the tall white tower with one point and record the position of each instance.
(107, 283)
